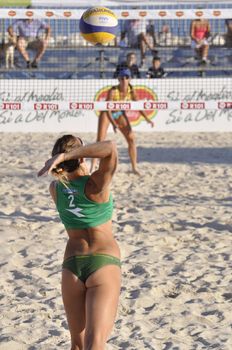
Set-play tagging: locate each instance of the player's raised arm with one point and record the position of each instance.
(106, 151)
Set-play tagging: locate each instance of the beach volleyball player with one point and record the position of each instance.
(91, 269)
(124, 91)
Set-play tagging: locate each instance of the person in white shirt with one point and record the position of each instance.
(139, 37)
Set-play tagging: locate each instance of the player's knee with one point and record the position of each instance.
(77, 347)
(131, 138)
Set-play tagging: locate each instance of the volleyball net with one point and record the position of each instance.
(71, 74)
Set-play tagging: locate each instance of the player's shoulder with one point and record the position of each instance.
(113, 90)
(52, 186)
(52, 189)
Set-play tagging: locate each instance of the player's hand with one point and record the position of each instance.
(115, 127)
(151, 123)
(51, 164)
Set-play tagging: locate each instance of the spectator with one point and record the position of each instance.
(200, 32)
(228, 35)
(156, 71)
(129, 63)
(165, 36)
(139, 37)
(27, 34)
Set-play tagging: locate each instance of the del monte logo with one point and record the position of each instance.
(143, 93)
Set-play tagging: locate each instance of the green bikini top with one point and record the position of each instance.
(76, 210)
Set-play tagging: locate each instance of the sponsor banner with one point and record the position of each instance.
(82, 105)
(115, 106)
(11, 106)
(225, 105)
(193, 105)
(132, 108)
(143, 92)
(46, 106)
(155, 105)
(45, 13)
(173, 104)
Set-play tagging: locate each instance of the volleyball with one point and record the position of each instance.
(98, 25)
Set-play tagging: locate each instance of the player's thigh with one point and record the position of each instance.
(103, 289)
(103, 124)
(127, 132)
(73, 294)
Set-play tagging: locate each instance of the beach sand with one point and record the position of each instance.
(173, 225)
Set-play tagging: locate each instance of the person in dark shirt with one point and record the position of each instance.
(156, 71)
(228, 35)
(131, 63)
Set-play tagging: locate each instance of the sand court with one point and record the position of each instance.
(173, 225)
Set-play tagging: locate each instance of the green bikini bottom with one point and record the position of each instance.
(84, 265)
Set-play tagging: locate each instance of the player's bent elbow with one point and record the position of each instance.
(112, 147)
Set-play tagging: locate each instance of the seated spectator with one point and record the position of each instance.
(27, 34)
(139, 37)
(200, 32)
(129, 63)
(228, 35)
(156, 71)
(165, 36)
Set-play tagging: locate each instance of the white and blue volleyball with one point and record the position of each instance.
(98, 25)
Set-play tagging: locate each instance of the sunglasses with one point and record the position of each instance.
(124, 77)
